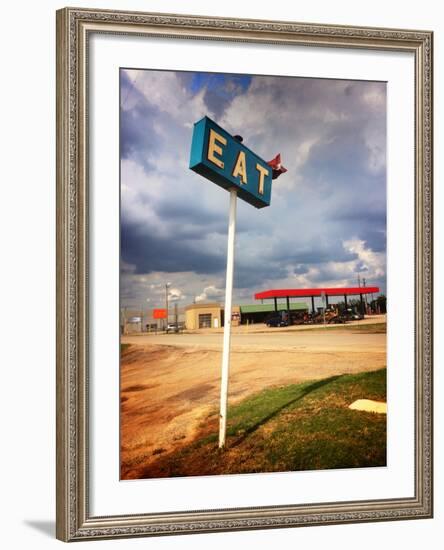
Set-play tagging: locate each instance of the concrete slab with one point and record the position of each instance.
(369, 406)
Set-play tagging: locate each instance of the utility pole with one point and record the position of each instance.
(324, 302)
(167, 285)
(365, 295)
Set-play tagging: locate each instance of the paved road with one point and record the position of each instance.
(327, 340)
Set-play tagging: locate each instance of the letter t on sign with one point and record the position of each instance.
(262, 173)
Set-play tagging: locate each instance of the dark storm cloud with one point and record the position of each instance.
(314, 255)
(149, 252)
(376, 240)
(285, 257)
(366, 223)
(346, 199)
(178, 241)
(300, 269)
(186, 78)
(251, 276)
(179, 213)
(219, 89)
(135, 139)
(360, 267)
(338, 167)
(361, 212)
(332, 158)
(215, 103)
(138, 139)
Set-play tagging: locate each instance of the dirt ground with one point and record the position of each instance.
(170, 383)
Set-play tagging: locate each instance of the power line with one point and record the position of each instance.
(133, 82)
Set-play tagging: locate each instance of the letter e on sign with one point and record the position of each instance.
(213, 148)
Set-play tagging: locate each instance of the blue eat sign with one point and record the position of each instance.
(219, 157)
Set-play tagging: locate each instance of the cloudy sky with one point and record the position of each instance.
(327, 220)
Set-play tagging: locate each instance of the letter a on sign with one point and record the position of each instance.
(240, 168)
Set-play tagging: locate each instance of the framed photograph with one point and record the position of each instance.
(244, 274)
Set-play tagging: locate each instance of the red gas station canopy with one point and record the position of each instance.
(308, 292)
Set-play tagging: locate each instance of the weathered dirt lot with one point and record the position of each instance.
(170, 383)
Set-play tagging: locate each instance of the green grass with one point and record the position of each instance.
(124, 347)
(296, 427)
(374, 328)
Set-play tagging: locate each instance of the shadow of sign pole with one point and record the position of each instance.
(223, 159)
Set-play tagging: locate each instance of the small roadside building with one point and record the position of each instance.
(203, 316)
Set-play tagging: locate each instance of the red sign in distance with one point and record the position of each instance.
(159, 314)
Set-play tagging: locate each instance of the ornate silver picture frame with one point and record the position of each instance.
(75, 519)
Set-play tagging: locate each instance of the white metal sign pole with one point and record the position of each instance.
(227, 319)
